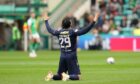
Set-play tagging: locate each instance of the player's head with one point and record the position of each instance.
(32, 14)
(66, 23)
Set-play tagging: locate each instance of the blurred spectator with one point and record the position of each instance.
(112, 24)
(96, 44)
(113, 28)
(113, 7)
(123, 22)
(114, 32)
(93, 2)
(16, 37)
(117, 14)
(1, 38)
(105, 28)
(100, 23)
(86, 19)
(102, 5)
(134, 23)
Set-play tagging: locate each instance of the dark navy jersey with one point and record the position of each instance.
(68, 37)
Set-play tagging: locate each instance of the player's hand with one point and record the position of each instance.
(45, 16)
(90, 18)
(96, 16)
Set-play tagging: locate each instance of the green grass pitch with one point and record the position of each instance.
(18, 68)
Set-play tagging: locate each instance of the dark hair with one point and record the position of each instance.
(66, 23)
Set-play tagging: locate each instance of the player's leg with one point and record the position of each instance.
(49, 76)
(30, 43)
(31, 46)
(62, 68)
(57, 77)
(65, 77)
(73, 69)
(32, 50)
(37, 41)
(74, 77)
(36, 45)
(54, 77)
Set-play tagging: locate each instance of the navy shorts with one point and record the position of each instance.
(69, 63)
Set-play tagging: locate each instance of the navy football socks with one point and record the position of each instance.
(57, 77)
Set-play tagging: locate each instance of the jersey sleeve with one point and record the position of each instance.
(84, 30)
(50, 30)
(29, 22)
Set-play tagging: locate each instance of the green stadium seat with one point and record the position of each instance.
(127, 31)
(21, 9)
(117, 23)
(126, 1)
(126, 6)
(6, 8)
(127, 12)
(118, 20)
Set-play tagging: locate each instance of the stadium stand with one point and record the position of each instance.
(118, 17)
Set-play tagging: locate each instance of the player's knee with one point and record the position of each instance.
(37, 40)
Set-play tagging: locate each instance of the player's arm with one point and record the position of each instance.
(84, 30)
(29, 22)
(29, 30)
(50, 30)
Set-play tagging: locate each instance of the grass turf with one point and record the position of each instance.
(18, 68)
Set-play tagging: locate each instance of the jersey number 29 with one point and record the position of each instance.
(65, 42)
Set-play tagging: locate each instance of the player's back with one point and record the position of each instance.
(68, 36)
(67, 40)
